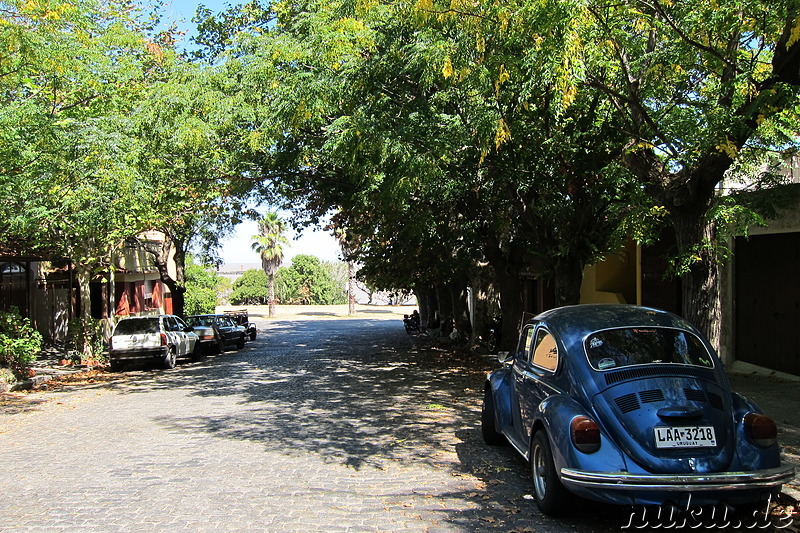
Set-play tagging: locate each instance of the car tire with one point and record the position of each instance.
(488, 427)
(253, 335)
(551, 496)
(170, 359)
(491, 343)
(240, 343)
(116, 366)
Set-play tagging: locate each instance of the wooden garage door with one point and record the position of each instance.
(767, 278)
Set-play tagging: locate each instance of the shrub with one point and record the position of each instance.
(201, 294)
(309, 281)
(251, 288)
(19, 342)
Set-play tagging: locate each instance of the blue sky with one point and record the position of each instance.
(236, 249)
(184, 9)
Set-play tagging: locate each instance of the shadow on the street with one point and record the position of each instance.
(367, 395)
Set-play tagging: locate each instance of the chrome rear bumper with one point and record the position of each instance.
(758, 479)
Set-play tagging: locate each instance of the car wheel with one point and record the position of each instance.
(116, 366)
(170, 358)
(490, 434)
(240, 342)
(220, 345)
(551, 496)
(491, 343)
(253, 335)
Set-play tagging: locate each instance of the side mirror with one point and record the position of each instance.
(505, 357)
(188, 329)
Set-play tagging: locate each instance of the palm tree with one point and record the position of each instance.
(268, 243)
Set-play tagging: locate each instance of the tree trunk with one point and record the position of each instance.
(459, 301)
(434, 315)
(351, 288)
(486, 302)
(700, 300)
(507, 264)
(271, 296)
(510, 289)
(426, 299)
(87, 329)
(445, 310)
(567, 281)
(177, 286)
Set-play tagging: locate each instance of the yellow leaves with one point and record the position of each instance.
(502, 134)
(568, 95)
(728, 147)
(155, 50)
(503, 16)
(795, 35)
(425, 5)
(502, 77)
(761, 118)
(645, 145)
(255, 140)
(447, 69)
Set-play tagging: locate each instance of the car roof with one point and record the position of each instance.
(578, 321)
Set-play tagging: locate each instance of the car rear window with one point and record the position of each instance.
(138, 325)
(200, 320)
(614, 348)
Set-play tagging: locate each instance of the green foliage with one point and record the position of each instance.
(19, 342)
(201, 289)
(308, 281)
(251, 288)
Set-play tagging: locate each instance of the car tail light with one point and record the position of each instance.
(761, 429)
(163, 339)
(585, 434)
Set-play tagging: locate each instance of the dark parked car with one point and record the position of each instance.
(242, 318)
(217, 331)
(161, 339)
(629, 405)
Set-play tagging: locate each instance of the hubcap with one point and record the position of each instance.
(539, 473)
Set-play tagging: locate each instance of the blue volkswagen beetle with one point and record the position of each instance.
(629, 405)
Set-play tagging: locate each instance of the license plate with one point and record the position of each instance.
(685, 437)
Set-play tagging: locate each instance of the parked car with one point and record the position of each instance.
(162, 339)
(628, 405)
(242, 318)
(217, 331)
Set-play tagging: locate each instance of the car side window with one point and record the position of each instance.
(169, 324)
(180, 325)
(524, 348)
(545, 351)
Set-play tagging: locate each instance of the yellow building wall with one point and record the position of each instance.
(613, 280)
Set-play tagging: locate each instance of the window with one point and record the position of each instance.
(132, 326)
(170, 324)
(524, 349)
(545, 352)
(615, 348)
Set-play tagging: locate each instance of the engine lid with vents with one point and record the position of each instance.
(630, 411)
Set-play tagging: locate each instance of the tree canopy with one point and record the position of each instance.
(444, 140)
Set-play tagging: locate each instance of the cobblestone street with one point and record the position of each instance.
(318, 425)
